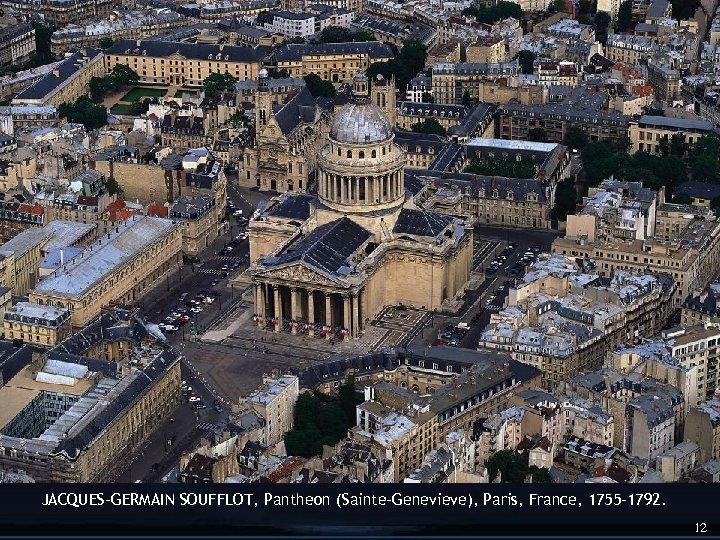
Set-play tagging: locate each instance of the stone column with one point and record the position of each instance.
(357, 189)
(293, 309)
(259, 307)
(311, 313)
(328, 313)
(355, 316)
(278, 308)
(343, 189)
(347, 324)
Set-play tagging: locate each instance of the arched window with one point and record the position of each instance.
(349, 153)
(361, 154)
(339, 153)
(383, 150)
(373, 154)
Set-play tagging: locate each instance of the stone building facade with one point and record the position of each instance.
(360, 245)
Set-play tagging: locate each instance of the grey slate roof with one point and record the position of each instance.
(43, 86)
(192, 51)
(295, 51)
(477, 183)
(327, 248)
(292, 207)
(300, 109)
(699, 190)
(420, 223)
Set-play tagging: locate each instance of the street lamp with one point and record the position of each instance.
(232, 290)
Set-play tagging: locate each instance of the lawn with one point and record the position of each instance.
(120, 108)
(138, 93)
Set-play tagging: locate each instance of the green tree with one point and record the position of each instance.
(217, 83)
(84, 111)
(122, 75)
(537, 134)
(430, 126)
(349, 399)
(624, 21)
(427, 97)
(319, 87)
(148, 157)
(575, 138)
(98, 88)
(113, 187)
(43, 35)
(106, 43)
(506, 166)
(492, 14)
(409, 61)
(678, 146)
(684, 9)
(682, 198)
(338, 34)
(565, 200)
(602, 22)
(539, 475)
(467, 98)
(139, 107)
(715, 204)
(556, 6)
(275, 73)
(510, 465)
(527, 61)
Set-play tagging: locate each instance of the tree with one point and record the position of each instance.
(217, 83)
(148, 157)
(319, 87)
(527, 62)
(492, 14)
(338, 34)
(678, 146)
(575, 138)
(565, 200)
(506, 166)
(106, 43)
(409, 61)
(682, 198)
(537, 134)
(556, 6)
(84, 111)
(624, 21)
(539, 475)
(275, 73)
(602, 22)
(123, 75)
(43, 36)
(138, 107)
(715, 204)
(113, 187)
(348, 399)
(430, 126)
(684, 9)
(509, 464)
(427, 97)
(467, 98)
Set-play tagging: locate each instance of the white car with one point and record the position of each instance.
(209, 299)
(196, 310)
(194, 399)
(168, 327)
(237, 213)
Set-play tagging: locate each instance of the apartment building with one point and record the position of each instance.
(66, 82)
(702, 306)
(119, 268)
(17, 44)
(135, 24)
(629, 49)
(581, 108)
(615, 210)
(62, 12)
(563, 73)
(184, 64)
(563, 321)
(198, 222)
(72, 417)
(450, 82)
(697, 346)
(335, 62)
(665, 81)
(43, 326)
(691, 258)
(303, 24)
(647, 132)
(702, 426)
(275, 401)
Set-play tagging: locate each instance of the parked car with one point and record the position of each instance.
(199, 405)
(237, 212)
(196, 309)
(194, 399)
(154, 467)
(214, 282)
(218, 408)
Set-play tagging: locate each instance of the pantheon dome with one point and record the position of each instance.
(360, 123)
(360, 169)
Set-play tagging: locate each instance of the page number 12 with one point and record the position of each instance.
(701, 527)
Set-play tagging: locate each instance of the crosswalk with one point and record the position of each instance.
(212, 272)
(225, 258)
(206, 426)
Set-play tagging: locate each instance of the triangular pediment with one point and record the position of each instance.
(299, 273)
(176, 56)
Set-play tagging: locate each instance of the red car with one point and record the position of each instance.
(439, 341)
(182, 319)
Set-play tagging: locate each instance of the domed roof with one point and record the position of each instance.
(358, 123)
